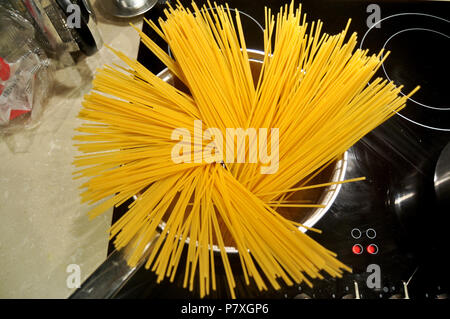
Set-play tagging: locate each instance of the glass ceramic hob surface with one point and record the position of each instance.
(391, 228)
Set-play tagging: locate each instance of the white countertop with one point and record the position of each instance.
(43, 227)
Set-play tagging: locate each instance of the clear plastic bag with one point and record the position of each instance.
(25, 74)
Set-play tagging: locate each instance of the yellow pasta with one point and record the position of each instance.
(312, 87)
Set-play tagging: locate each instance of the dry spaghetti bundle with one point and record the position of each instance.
(311, 98)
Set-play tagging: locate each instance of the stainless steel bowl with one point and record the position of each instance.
(127, 8)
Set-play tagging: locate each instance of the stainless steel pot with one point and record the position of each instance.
(107, 280)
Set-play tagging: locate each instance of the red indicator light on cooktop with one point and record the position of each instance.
(357, 249)
(372, 249)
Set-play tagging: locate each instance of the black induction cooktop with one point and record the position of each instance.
(392, 228)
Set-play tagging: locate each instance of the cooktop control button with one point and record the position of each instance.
(356, 233)
(372, 249)
(371, 233)
(357, 249)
